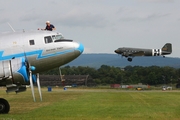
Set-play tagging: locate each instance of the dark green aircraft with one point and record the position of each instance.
(129, 53)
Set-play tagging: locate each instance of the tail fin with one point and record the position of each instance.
(167, 49)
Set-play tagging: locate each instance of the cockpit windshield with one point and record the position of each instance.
(60, 38)
(57, 37)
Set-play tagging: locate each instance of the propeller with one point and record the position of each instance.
(32, 68)
(39, 87)
(31, 76)
(31, 84)
(29, 72)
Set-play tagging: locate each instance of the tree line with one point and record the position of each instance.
(152, 75)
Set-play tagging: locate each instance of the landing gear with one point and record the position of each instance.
(129, 59)
(4, 106)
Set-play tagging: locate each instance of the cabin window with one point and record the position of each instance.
(48, 39)
(31, 42)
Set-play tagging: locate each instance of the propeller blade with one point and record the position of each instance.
(31, 84)
(39, 87)
(30, 69)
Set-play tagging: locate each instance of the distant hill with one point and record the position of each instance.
(96, 60)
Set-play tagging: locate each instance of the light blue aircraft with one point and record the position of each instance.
(26, 53)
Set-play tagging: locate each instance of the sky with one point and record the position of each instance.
(100, 25)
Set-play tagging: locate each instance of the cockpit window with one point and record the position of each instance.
(31, 42)
(53, 37)
(48, 39)
(58, 37)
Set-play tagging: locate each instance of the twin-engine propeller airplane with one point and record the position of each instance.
(24, 54)
(132, 52)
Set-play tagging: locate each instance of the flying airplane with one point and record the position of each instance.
(23, 54)
(132, 52)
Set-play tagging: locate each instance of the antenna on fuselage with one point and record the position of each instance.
(11, 27)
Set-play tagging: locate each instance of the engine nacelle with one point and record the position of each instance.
(126, 54)
(16, 70)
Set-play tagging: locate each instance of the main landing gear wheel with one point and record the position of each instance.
(129, 59)
(4, 106)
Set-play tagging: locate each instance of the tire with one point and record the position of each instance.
(129, 59)
(4, 106)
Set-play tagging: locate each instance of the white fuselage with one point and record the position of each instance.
(43, 49)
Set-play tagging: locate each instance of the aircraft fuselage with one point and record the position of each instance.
(132, 52)
(140, 52)
(42, 54)
(42, 49)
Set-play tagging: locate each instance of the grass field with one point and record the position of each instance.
(96, 104)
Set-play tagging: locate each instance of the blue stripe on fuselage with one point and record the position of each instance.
(37, 52)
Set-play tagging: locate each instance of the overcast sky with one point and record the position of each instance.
(100, 25)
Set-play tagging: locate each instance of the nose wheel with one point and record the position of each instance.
(4, 106)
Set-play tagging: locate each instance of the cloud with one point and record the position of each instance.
(88, 50)
(142, 18)
(137, 15)
(76, 18)
(156, 16)
(28, 17)
(156, 1)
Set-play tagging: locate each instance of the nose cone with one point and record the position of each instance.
(117, 51)
(79, 47)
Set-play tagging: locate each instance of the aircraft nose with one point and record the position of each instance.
(79, 47)
(116, 51)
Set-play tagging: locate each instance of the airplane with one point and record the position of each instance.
(24, 54)
(129, 53)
